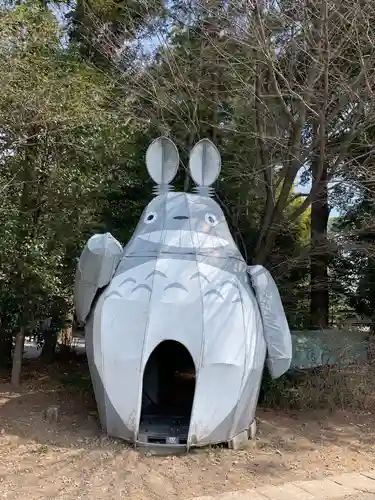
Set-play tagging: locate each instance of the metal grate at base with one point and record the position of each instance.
(155, 429)
(169, 440)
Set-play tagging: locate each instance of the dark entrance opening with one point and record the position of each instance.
(168, 394)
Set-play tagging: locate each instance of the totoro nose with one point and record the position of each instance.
(181, 217)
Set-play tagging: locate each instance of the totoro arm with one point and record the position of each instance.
(275, 325)
(95, 269)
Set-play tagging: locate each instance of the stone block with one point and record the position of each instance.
(359, 482)
(238, 442)
(325, 488)
(285, 492)
(241, 495)
(252, 429)
(52, 414)
(370, 474)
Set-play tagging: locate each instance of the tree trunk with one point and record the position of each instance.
(27, 175)
(17, 358)
(47, 355)
(319, 293)
(65, 336)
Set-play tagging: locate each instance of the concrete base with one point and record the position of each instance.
(252, 429)
(239, 441)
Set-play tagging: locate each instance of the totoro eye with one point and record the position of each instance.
(211, 219)
(150, 218)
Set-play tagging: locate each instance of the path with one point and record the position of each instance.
(353, 486)
(362, 496)
(71, 460)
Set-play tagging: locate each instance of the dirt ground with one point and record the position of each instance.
(73, 460)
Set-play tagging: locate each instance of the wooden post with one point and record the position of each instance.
(17, 358)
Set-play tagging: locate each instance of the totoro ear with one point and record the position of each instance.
(204, 163)
(162, 160)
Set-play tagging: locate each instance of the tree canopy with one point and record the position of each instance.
(285, 90)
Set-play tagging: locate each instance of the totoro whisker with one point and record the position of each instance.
(199, 275)
(156, 273)
(214, 292)
(176, 285)
(114, 294)
(128, 280)
(139, 287)
(229, 282)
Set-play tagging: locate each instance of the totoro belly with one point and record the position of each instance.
(176, 281)
(192, 302)
(203, 307)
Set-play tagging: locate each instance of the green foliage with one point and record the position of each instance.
(354, 266)
(100, 28)
(275, 393)
(73, 152)
(80, 104)
(59, 117)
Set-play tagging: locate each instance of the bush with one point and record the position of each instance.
(329, 388)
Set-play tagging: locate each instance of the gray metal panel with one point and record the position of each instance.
(275, 325)
(95, 269)
(222, 432)
(182, 242)
(96, 376)
(184, 213)
(247, 404)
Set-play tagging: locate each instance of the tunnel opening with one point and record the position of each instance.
(167, 395)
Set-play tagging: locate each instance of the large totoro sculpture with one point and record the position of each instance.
(181, 283)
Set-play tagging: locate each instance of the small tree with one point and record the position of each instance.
(55, 115)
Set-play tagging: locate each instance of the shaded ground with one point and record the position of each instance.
(72, 460)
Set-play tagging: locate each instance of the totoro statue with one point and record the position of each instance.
(180, 280)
